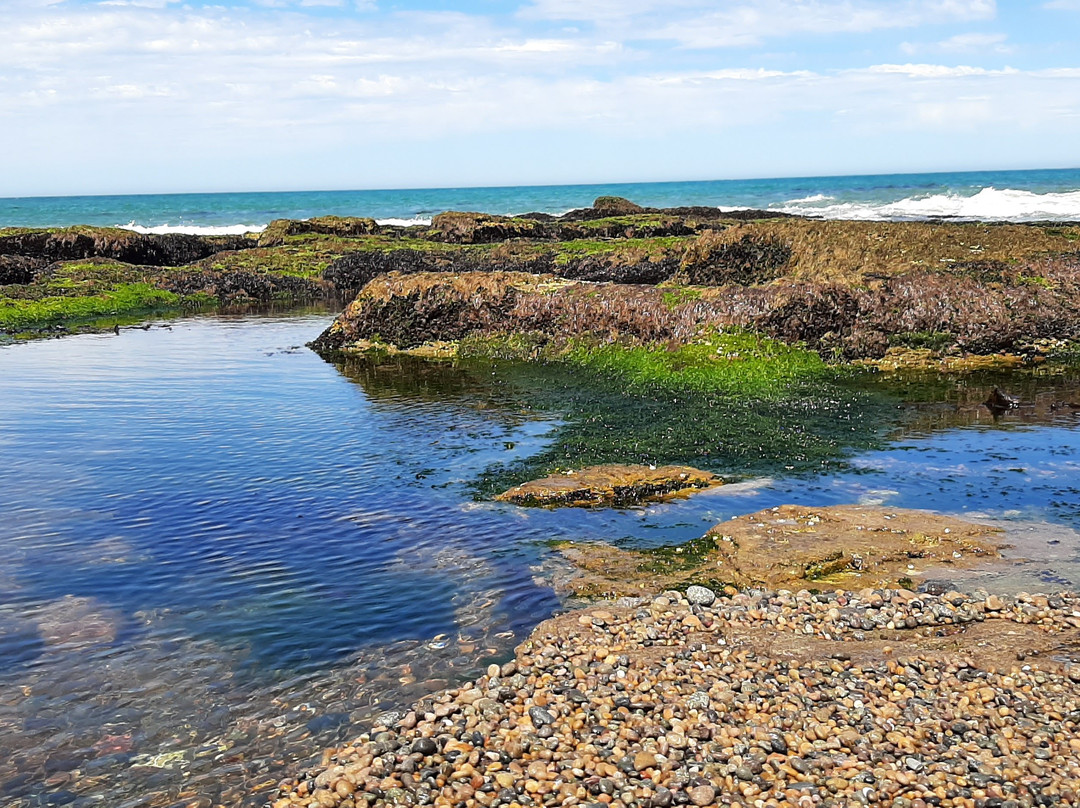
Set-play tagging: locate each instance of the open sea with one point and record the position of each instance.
(1045, 195)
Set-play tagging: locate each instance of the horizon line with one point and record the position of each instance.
(537, 185)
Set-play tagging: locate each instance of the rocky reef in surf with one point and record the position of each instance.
(852, 290)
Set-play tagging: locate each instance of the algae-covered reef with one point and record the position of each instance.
(59, 279)
(852, 288)
(52, 281)
(697, 337)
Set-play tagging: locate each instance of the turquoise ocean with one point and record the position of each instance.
(1043, 195)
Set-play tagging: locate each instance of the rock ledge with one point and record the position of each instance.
(610, 485)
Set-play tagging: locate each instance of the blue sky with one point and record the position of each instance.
(130, 96)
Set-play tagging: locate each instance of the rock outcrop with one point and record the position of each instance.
(77, 243)
(795, 547)
(458, 227)
(966, 314)
(340, 226)
(617, 485)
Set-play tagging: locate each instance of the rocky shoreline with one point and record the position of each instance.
(851, 290)
(731, 687)
(869, 697)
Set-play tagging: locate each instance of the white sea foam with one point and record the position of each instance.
(424, 220)
(195, 230)
(989, 204)
(810, 199)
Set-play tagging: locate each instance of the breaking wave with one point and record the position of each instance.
(989, 204)
(813, 198)
(195, 230)
(424, 220)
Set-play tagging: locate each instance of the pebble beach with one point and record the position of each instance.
(754, 698)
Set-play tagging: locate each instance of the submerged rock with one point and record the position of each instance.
(77, 622)
(610, 485)
(794, 547)
(1001, 402)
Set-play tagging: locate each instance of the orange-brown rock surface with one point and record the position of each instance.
(610, 485)
(793, 547)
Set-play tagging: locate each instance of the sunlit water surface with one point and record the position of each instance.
(220, 553)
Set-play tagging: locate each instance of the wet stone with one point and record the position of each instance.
(425, 746)
(702, 795)
(700, 595)
(541, 717)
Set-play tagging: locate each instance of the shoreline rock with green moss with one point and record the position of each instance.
(846, 289)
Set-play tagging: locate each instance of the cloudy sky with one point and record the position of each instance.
(130, 96)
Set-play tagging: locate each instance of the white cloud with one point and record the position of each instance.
(968, 43)
(925, 71)
(973, 43)
(196, 91)
(137, 3)
(700, 24)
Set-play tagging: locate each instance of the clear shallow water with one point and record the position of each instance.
(220, 554)
(993, 195)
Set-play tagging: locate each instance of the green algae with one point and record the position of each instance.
(627, 249)
(286, 260)
(670, 558)
(732, 436)
(736, 363)
(677, 296)
(734, 403)
(16, 314)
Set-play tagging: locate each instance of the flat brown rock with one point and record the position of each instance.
(794, 547)
(610, 485)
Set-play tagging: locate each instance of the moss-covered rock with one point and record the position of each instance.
(79, 293)
(482, 228)
(406, 311)
(718, 259)
(279, 230)
(835, 318)
(615, 206)
(80, 243)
